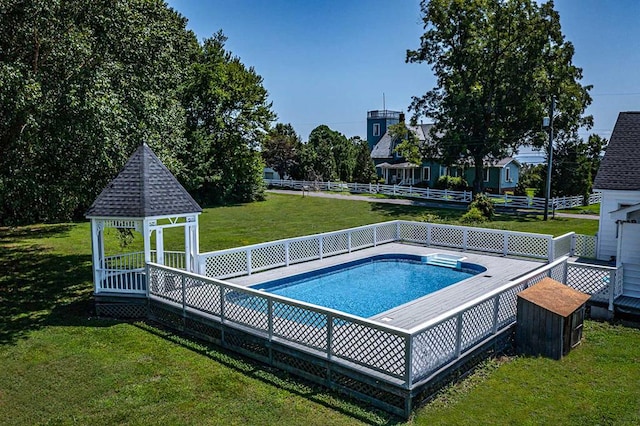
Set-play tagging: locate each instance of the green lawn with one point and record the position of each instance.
(61, 365)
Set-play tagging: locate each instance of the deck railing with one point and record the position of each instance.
(410, 356)
(505, 200)
(259, 257)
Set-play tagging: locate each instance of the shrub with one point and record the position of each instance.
(473, 215)
(430, 218)
(484, 205)
(450, 182)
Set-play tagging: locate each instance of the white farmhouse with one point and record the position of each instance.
(619, 180)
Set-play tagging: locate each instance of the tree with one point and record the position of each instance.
(498, 64)
(328, 155)
(364, 170)
(82, 85)
(281, 149)
(227, 117)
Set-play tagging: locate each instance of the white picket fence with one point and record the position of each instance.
(511, 201)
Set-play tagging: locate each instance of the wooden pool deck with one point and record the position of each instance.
(500, 270)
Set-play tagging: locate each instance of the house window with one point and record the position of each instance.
(376, 129)
(486, 174)
(507, 174)
(426, 174)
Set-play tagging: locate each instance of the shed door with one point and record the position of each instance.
(630, 257)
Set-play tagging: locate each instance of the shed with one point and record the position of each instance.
(550, 316)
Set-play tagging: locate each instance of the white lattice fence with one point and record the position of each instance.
(445, 340)
(339, 336)
(591, 279)
(267, 257)
(585, 245)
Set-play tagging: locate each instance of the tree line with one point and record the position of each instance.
(83, 84)
(327, 155)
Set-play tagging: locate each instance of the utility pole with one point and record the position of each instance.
(549, 160)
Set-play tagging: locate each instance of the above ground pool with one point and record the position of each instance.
(369, 286)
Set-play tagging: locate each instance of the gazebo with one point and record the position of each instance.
(145, 197)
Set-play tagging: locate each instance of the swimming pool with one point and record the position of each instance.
(372, 285)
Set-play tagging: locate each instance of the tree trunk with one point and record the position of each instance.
(478, 178)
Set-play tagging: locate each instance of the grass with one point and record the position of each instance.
(590, 209)
(61, 365)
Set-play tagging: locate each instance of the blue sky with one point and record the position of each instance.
(329, 62)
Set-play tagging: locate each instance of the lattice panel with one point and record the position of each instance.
(537, 278)
(300, 364)
(367, 389)
(433, 348)
(248, 344)
(588, 280)
(477, 323)
(366, 346)
(557, 272)
(335, 243)
(413, 232)
(362, 238)
(226, 264)
(301, 250)
(485, 241)
(166, 317)
(203, 329)
(246, 309)
(300, 325)
(449, 237)
(204, 297)
(386, 233)
(267, 257)
(585, 246)
(508, 305)
(561, 247)
(121, 310)
(528, 245)
(165, 284)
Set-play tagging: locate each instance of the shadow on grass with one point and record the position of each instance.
(275, 377)
(396, 210)
(37, 287)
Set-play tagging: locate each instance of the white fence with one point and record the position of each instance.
(258, 257)
(410, 356)
(505, 200)
(125, 273)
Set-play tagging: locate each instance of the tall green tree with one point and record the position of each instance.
(82, 84)
(328, 155)
(228, 115)
(281, 149)
(364, 170)
(498, 64)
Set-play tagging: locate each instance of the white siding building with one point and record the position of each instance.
(619, 180)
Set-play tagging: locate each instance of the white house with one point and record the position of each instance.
(619, 181)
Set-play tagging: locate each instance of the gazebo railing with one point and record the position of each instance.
(125, 273)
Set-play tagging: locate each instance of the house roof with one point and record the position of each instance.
(385, 146)
(620, 167)
(144, 188)
(501, 163)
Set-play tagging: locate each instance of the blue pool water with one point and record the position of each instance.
(370, 286)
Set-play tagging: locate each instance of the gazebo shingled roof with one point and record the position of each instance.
(144, 188)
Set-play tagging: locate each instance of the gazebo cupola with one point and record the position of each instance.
(147, 198)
